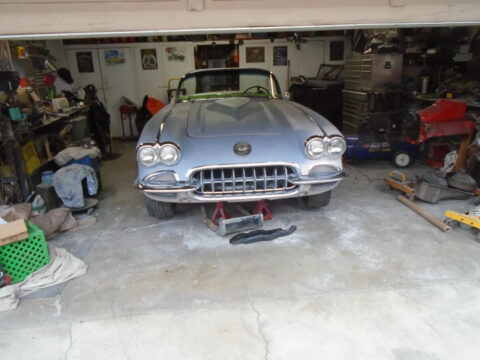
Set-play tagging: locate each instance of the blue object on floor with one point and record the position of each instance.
(368, 147)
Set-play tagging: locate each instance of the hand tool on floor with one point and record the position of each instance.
(426, 215)
(261, 235)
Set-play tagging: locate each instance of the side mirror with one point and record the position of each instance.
(287, 95)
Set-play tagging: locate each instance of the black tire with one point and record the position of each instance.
(159, 209)
(401, 159)
(317, 201)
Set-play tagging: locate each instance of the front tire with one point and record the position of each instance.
(159, 209)
(317, 201)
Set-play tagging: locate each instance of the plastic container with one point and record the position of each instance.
(86, 160)
(21, 258)
(47, 177)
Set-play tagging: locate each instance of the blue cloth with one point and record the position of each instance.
(67, 182)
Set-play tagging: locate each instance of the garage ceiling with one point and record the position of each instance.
(75, 18)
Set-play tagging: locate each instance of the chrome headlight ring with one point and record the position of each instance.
(336, 147)
(169, 153)
(147, 155)
(314, 147)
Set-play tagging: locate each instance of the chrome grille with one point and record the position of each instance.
(244, 180)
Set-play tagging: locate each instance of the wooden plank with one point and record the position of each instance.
(13, 231)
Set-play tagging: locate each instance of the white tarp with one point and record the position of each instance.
(63, 267)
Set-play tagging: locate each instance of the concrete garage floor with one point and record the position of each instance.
(364, 278)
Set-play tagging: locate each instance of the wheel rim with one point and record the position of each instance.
(402, 160)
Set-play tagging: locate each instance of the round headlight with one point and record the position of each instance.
(315, 148)
(169, 154)
(336, 147)
(147, 156)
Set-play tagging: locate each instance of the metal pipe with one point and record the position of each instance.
(432, 219)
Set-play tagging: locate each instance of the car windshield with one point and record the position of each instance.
(228, 83)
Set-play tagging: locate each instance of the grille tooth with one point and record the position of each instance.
(265, 174)
(231, 181)
(244, 181)
(223, 182)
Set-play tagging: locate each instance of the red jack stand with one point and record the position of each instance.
(219, 213)
(262, 207)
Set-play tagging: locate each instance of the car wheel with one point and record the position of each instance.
(317, 201)
(401, 159)
(159, 209)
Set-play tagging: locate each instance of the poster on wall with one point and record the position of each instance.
(337, 50)
(114, 57)
(85, 62)
(176, 53)
(280, 56)
(5, 59)
(149, 59)
(255, 54)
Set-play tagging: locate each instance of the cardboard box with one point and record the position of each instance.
(13, 231)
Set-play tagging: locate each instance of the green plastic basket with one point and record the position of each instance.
(21, 258)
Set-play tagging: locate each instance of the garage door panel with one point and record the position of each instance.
(74, 18)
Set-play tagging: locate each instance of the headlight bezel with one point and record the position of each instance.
(309, 141)
(157, 151)
(172, 146)
(330, 141)
(326, 145)
(147, 148)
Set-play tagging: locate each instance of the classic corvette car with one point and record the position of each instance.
(227, 135)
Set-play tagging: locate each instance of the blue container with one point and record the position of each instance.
(47, 177)
(86, 160)
(15, 114)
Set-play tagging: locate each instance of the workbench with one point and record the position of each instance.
(52, 123)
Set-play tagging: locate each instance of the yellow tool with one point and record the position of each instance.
(453, 218)
(398, 180)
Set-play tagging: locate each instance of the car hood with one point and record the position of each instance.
(240, 116)
(206, 132)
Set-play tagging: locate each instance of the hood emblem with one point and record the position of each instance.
(242, 148)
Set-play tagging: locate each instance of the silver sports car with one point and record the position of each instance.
(227, 135)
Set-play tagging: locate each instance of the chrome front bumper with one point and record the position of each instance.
(180, 191)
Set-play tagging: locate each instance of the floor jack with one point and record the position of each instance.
(222, 223)
(397, 180)
(455, 218)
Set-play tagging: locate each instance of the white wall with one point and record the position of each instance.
(305, 61)
(154, 83)
(57, 51)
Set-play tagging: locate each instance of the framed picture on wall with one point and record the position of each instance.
(337, 50)
(255, 54)
(280, 55)
(149, 59)
(114, 57)
(176, 53)
(85, 62)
